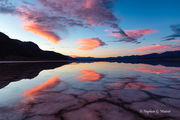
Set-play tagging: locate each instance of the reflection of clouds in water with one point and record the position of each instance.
(139, 85)
(89, 75)
(44, 102)
(159, 69)
(37, 89)
(176, 75)
(131, 83)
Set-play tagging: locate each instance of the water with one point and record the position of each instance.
(89, 91)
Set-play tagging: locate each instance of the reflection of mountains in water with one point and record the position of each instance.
(169, 58)
(164, 63)
(16, 71)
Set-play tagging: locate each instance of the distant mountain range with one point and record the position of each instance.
(166, 56)
(12, 49)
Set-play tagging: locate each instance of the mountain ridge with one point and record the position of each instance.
(13, 49)
(168, 55)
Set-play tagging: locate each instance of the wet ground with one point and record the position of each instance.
(90, 91)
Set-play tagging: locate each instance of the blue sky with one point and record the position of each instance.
(134, 18)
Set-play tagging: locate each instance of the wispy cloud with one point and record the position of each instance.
(40, 23)
(131, 36)
(42, 31)
(150, 48)
(134, 33)
(6, 7)
(155, 48)
(90, 43)
(48, 16)
(176, 32)
(91, 12)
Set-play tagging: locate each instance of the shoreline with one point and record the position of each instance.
(39, 61)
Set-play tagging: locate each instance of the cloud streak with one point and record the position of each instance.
(90, 12)
(90, 43)
(6, 7)
(42, 31)
(131, 36)
(150, 48)
(134, 33)
(155, 48)
(176, 32)
(45, 17)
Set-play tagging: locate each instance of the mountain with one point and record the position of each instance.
(166, 56)
(169, 55)
(169, 59)
(12, 49)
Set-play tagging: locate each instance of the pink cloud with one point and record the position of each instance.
(48, 16)
(90, 12)
(150, 48)
(174, 48)
(156, 49)
(30, 24)
(40, 30)
(134, 33)
(90, 43)
(53, 15)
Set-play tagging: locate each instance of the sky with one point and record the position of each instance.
(94, 28)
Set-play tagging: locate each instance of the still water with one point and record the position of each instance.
(89, 91)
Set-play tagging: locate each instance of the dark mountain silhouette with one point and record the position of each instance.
(12, 49)
(14, 72)
(166, 56)
(169, 58)
(169, 55)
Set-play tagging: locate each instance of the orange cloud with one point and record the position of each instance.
(89, 75)
(134, 33)
(31, 24)
(40, 30)
(90, 43)
(47, 85)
